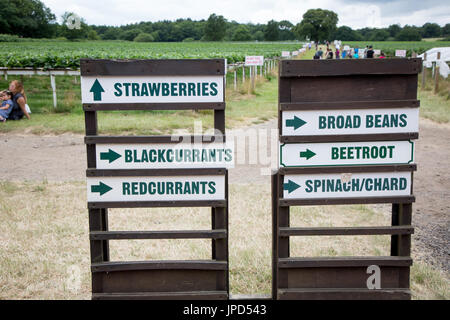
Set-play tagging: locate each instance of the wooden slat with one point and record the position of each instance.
(194, 295)
(330, 105)
(154, 172)
(160, 67)
(153, 106)
(349, 169)
(157, 204)
(351, 137)
(334, 201)
(323, 262)
(342, 67)
(344, 294)
(152, 139)
(346, 231)
(159, 265)
(178, 234)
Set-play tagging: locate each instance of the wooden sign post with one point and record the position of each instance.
(156, 171)
(346, 129)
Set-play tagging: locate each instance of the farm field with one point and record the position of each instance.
(389, 47)
(66, 54)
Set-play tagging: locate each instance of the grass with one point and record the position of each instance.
(45, 242)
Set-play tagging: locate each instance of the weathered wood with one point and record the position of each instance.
(342, 67)
(160, 67)
(157, 204)
(344, 294)
(321, 262)
(153, 106)
(194, 295)
(175, 234)
(346, 231)
(351, 137)
(159, 265)
(335, 201)
(154, 172)
(295, 106)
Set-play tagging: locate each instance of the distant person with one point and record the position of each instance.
(355, 55)
(329, 54)
(19, 101)
(370, 53)
(344, 54)
(6, 104)
(337, 53)
(365, 52)
(318, 54)
(382, 55)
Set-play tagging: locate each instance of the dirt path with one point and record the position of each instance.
(63, 158)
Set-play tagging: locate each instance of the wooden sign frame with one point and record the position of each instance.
(162, 279)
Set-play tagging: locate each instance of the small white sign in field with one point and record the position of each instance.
(354, 121)
(144, 89)
(123, 189)
(346, 153)
(254, 60)
(400, 53)
(285, 54)
(347, 185)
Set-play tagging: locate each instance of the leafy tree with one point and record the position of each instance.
(409, 34)
(446, 30)
(242, 33)
(394, 29)
(431, 30)
(345, 33)
(285, 30)
(27, 18)
(130, 35)
(93, 35)
(317, 25)
(73, 27)
(258, 35)
(144, 37)
(271, 32)
(215, 28)
(379, 35)
(111, 34)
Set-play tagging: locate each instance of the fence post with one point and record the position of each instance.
(424, 71)
(235, 79)
(243, 73)
(53, 84)
(436, 74)
(6, 75)
(253, 75)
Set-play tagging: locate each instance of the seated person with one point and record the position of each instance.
(6, 104)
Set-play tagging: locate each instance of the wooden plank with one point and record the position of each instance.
(193, 295)
(154, 172)
(157, 204)
(315, 68)
(341, 262)
(331, 201)
(349, 169)
(330, 105)
(152, 139)
(344, 294)
(175, 234)
(159, 265)
(162, 67)
(345, 231)
(153, 106)
(361, 88)
(351, 137)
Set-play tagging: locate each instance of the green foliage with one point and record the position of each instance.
(242, 33)
(144, 37)
(271, 32)
(215, 28)
(431, 30)
(379, 35)
(317, 25)
(258, 35)
(409, 34)
(345, 33)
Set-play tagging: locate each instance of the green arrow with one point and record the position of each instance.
(97, 90)
(110, 155)
(290, 186)
(295, 123)
(101, 188)
(308, 154)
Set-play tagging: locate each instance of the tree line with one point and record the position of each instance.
(32, 19)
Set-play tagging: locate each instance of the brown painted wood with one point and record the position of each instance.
(274, 185)
(153, 106)
(154, 172)
(151, 139)
(401, 215)
(346, 231)
(353, 169)
(330, 105)
(344, 67)
(344, 294)
(159, 265)
(335, 201)
(351, 137)
(194, 295)
(160, 67)
(158, 204)
(173, 234)
(338, 262)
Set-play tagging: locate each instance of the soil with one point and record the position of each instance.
(63, 158)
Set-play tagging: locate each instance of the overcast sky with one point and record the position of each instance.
(353, 13)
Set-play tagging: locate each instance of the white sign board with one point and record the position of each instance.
(348, 185)
(346, 48)
(164, 156)
(377, 52)
(400, 53)
(295, 53)
(285, 54)
(254, 60)
(346, 153)
(114, 189)
(354, 121)
(145, 89)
